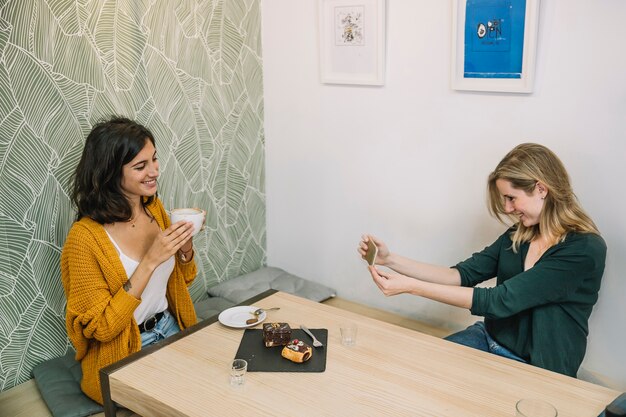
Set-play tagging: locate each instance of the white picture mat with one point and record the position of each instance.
(361, 63)
(519, 85)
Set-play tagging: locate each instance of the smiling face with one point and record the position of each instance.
(527, 207)
(139, 176)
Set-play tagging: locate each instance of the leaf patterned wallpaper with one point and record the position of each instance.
(190, 70)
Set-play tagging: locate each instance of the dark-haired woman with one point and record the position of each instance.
(125, 268)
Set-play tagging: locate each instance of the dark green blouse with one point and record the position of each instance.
(541, 314)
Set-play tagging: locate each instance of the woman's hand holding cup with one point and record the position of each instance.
(194, 215)
(169, 241)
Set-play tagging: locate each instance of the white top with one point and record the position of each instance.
(153, 298)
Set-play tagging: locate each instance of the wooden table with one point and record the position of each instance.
(391, 371)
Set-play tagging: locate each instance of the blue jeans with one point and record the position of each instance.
(165, 327)
(476, 336)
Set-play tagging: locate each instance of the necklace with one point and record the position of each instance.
(133, 221)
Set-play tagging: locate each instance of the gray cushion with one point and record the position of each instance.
(241, 288)
(58, 381)
(211, 306)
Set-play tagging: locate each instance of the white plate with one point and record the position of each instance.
(237, 316)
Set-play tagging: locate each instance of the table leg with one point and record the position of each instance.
(110, 408)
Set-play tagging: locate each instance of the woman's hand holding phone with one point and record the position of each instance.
(371, 252)
(371, 249)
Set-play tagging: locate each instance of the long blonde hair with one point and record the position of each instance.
(523, 167)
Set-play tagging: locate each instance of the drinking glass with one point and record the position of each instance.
(530, 407)
(238, 370)
(348, 334)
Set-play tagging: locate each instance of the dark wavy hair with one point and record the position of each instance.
(97, 190)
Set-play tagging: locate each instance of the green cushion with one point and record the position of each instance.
(58, 381)
(241, 288)
(211, 306)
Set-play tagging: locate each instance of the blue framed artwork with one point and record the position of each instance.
(494, 45)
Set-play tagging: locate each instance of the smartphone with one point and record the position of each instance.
(372, 251)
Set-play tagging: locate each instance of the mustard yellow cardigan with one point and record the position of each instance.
(99, 314)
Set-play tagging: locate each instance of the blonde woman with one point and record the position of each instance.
(548, 265)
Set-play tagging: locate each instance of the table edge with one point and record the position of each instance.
(110, 409)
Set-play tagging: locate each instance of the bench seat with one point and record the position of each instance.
(25, 400)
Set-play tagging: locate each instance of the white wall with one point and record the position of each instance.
(408, 161)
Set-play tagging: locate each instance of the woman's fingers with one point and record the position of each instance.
(375, 274)
(177, 235)
(179, 228)
(170, 240)
(380, 275)
(378, 280)
(367, 238)
(185, 234)
(362, 249)
(383, 281)
(175, 226)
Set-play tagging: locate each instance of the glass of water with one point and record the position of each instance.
(238, 368)
(530, 407)
(348, 334)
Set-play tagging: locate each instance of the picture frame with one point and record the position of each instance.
(494, 45)
(352, 41)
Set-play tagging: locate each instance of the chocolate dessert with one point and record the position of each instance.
(276, 334)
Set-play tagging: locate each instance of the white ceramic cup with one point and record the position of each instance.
(530, 407)
(196, 216)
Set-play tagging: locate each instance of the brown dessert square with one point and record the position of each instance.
(276, 334)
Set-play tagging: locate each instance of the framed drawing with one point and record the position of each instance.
(352, 41)
(494, 45)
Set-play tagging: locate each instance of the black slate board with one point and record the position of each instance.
(263, 359)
